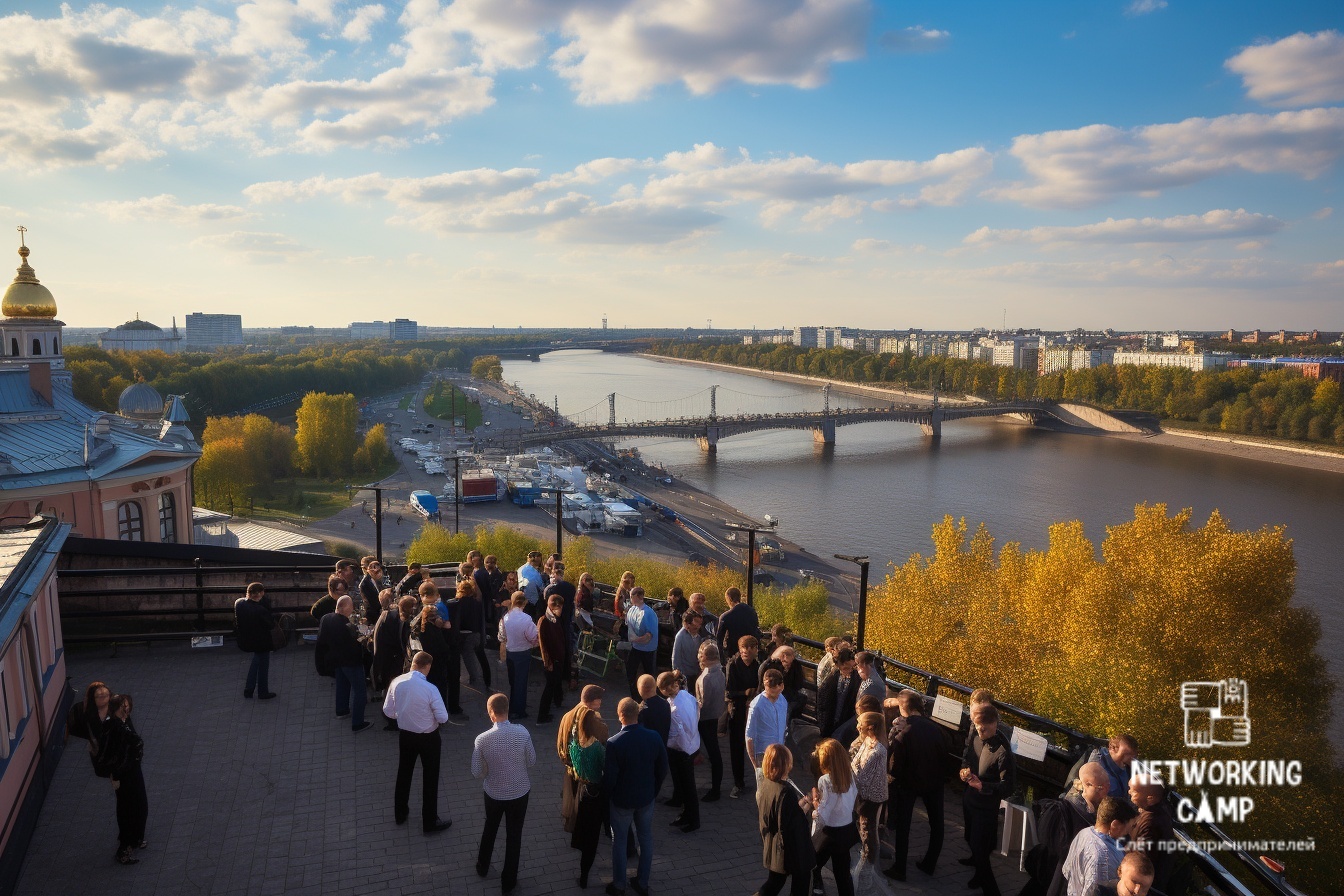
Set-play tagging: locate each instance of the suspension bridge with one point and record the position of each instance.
(702, 419)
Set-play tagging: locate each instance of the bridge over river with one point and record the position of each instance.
(709, 429)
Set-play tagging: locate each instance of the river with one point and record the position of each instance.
(883, 486)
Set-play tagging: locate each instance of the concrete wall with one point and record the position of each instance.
(1082, 415)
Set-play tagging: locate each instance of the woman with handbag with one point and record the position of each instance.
(122, 755)
(587, 756)
(786, 840)
(834, 832)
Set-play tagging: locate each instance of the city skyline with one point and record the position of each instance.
(1137, 165)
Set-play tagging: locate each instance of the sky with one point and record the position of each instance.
(1136, 164)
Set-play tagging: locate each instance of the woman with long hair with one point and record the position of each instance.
(587, 756)
(786, 842)
(621, 602)
(122, 755)
(88, 718)
(471, 624)
(833, 830)
(869, 762)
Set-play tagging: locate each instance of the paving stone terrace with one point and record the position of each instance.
(250, 797)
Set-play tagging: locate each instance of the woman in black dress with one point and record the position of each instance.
(88, 720)
(786, 831)
(587, 756)
(123, 752)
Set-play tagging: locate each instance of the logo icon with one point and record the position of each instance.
(1216, 713)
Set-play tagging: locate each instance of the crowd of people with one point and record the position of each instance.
(876, 755)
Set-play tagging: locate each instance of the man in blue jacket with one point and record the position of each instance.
(636, 767)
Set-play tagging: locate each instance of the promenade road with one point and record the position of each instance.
(273, 797)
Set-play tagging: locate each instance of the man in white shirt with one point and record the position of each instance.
(519, 636)
(501, 757)
(683, 742)
(418, 708)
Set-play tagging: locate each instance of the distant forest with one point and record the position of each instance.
(1280, 403)
(217, 384)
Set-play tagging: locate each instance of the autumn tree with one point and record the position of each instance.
(1102, 641)
(375, 453)
(222, 476)
(487, 367)
(326, 438)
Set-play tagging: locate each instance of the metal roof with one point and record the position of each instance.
(44, 445)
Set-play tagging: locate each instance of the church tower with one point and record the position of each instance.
(29, 331)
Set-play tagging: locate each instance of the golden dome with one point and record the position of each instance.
(26, 296)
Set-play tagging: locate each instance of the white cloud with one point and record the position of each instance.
(1322, 213)
(1095, 163)
(1301, 70)
(620, 51)
(165, 207)
(360, 27)
(871, 246)
(649, 201)
(257, 247)
(1143, 7)
(1219, 224)
(109, 85)
(915, 39)
(388, 108)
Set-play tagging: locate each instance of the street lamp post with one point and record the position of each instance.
(751, 550)
(457, 492)
(863, 594)
(377, 514)
(559, 518)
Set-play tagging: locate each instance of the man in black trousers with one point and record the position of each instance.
(916, 752)
(418, 708)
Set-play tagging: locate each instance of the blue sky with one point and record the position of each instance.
(1133, 164)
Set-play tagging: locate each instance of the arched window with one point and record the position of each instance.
(168, 518)
(37, 347)
(55, 345)
(130, 522)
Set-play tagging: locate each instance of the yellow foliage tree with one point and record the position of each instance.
(1103, 642)
(222, 476)
(326, 438)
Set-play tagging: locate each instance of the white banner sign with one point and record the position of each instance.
(1029, 744)
(947, 711)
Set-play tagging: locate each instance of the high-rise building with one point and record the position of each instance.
(401, 330)
(212, 330)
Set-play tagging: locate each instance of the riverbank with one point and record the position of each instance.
(856, 389)
(1260, 450)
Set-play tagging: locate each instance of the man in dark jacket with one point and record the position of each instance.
(1155, 832)
(1057, 823)
(916, 751)
(252, 617)
(655, 713)
(837, 694)
(740, 620)
(636, 765)
(340, 639)
(989, 770)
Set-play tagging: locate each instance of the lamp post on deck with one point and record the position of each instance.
(862, 561)
(751, 531)
(559, 517)
(377, 513)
